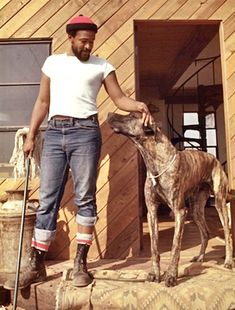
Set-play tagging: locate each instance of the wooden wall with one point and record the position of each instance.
(117, 232)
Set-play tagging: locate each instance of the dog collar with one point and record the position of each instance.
(154, 177)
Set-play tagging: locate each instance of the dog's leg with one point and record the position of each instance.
(220, 187)
(171, 274)
(152, 205)
(198, 202)
(220, 204)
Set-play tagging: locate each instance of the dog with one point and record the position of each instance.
(174, 178)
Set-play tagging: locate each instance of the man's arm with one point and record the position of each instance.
(39, 112)
(122, 101)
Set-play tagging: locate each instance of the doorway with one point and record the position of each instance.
(178, 74)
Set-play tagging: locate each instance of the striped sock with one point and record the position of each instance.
(82, 238)
(43, 246)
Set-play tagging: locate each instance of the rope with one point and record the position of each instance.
(18, 159)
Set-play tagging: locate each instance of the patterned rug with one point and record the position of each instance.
(200, 287)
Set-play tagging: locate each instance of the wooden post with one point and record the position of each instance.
(232, 206)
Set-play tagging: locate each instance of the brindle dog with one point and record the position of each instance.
(173, 177)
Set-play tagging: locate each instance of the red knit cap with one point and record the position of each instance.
(81, 23)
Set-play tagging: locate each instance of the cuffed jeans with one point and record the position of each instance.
(75, 144)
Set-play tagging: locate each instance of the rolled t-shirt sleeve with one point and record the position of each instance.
(108, 68)
(47, 67)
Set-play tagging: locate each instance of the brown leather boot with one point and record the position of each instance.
(34, 272)
(81, 277)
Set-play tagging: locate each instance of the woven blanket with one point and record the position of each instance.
(200, 287)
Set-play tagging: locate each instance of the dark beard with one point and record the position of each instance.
(80, 55)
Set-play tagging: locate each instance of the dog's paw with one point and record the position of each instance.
(152, 277)
(228, 265)
(170, 280)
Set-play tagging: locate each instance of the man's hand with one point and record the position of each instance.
(146, 116)
(28, 147)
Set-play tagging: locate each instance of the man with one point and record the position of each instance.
(68, 90)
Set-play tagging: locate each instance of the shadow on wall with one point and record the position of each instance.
(117, 232)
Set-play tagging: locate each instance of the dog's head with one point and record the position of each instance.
(132, 125)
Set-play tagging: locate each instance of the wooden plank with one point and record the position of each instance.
(229, 26)
(38, 19)
(106, 130)
(186, 10)
(110, 190)
(116, 207)
(207, 9)
(111, 44)
(168, 9)
(232, 126)
(11, 184)
(2, 180)
(116, 20)
(129, 246)
(229, 45)
(59, 18)
(230, 66)
(122, 72)
(232, 210)
(233, 146)
(233, 173)
(122, 52)
(231, 105)
(21, 17)
(231, 83)
(115, 163)
(10, 9)
(3, 3)
(224, 11)
(106, 238)
(111, 146)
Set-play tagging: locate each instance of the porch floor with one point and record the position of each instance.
(191, 275)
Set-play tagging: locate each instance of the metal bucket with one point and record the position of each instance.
(10, 221)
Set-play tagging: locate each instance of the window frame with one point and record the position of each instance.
(15, 41)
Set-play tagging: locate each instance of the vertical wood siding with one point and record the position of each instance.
(116, 232)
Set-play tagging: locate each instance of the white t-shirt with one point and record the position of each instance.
(74, 84)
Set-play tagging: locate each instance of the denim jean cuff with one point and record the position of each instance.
(44, 235)
(86, 221)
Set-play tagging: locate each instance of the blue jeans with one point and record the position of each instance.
(75, 144)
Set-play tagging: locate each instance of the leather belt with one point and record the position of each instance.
(93, 117)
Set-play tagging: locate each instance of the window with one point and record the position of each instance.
(191, 121)
(211, 139)
(21, 62)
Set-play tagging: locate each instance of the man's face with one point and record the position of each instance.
(82, 44)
